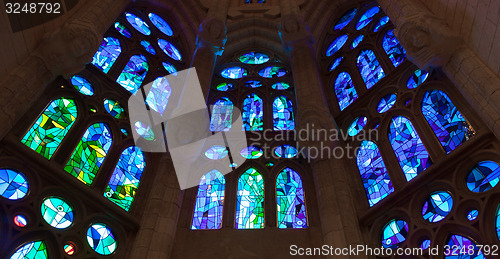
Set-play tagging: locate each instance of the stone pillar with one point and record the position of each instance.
(62, 52)
(431, 44)
(336, 206)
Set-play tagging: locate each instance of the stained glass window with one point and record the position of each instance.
(13, 184)
(144, 130)
(157, 98)
(225, 87)
(216, 152)
(134, 73)
(138, 23)
(381, 23)
(161, 24)
(148, 47)
(437, 206)
(122, 29)
(344, 90)
(20, 221)
(255, 58)
(425, 244)
(114, 108)
(253, 84)
(417, 78)
(253, 114)
(209, 201)
(170, 68)
(346, 19)
(283, 118)
(291, 206)
(367, 17)
(445, 119)
(101, 239)
(169, 49)
(335, 63)
(370, 68)
(373, 172)
(82, 85)
(336, 45)
(357, 125)
(458, 245)
(234, 73)
(222, 115)
(410, 151)
(108, 52)
(280, 86)
(250, 200)
(386, 103)
(251, 152)
(394, 233)
(472, 215)
(57, 212)
(497, 222)
(272, 72)
(51, 127)
(90, 153)
(31, 250)
(394, 50)
(126, 177)
(69, 248)
(355, 43)
(285, 151)
(483, 177)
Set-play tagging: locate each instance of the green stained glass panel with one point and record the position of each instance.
(31, 250)
(250, 200)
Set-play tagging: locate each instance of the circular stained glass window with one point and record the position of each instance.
(57, 212)
(101, 239)
(417, 78)
(20, 221)
(13, 184)
(234, 73)
(437, 206)
(70, 248)
(472, 215)
(346, 19)
(336, 45)
(114, 108)
(386, 103)
(138, 23)
(367, 17)
(285, 151)
(170, 68)
(335, 64)
(272, 72)
(169, 49)
(394, 233)
(425, 244)
(357, 125)
(144, 130)
(484, 176)
(82, 85)
(251, 152)
(216, 152)
(225, 87)
(161, 24)
(254, 58)
(122, 29)
(253, 84)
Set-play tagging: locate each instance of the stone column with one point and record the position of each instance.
(62, 52)
(336, 206)
(431, 44)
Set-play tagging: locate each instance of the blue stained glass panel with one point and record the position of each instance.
(472, 215)
(138, 23)
(234, 73)
(13, 184)
(272, 72)
(170, 68)
(336, 45)
(335, 63)
(357, 41)
(134, 73)
(101, 239)
(437, 206)
(225, 87)
(253, 113)
(158, 95)
(148, 47)
(483, 177)
(108, 52)
(251, 152)
(161, 24)
(445, 119)
(408, 147)
(381, 23)
(122, 29)
(497, 222)
(254, 58)
(417, 78)
(280, 86)
(373, 172)
(285, 151)
(216, 152)
(394, 233)
(250, 200)
(253, 84)
(425, 244)
(346, 19)
(82, 85)
(357, 125)
(396, 53)
(461, 243)
(144, 130)
(291, 206)
(283, 118)
(386, 103)
(222, 115)
(367, 17)
(169, 49)
(344, 90)
(209, 201)
(370, 68)
(31, 250)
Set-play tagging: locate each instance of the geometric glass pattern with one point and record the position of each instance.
(386, 103)
(283, 118)
(285, 151)
(255, 58)
(357, 125)
(51, 127)
(225, 87)
(138, 23)
(82, 85)
(57, 212)
(101, 239)
(367, 17)
(20, 221)
(126, 177)
(161, 24)
(90, 153)
(148, 47)
(394, 50)
(209, 201)
(234, 73)
(280, 86)
(108, 52)
(253, 84)
(114, 108)
(272, 72)
(144, 130)
(445, 119)
(335, 64)
(134, 73)
(394, 233)
(370, 68)
(408, 147)
(251, 152)
(169, 49)
(336, 45)
(122, 30)
(383, 21)
(417, 78)
(472, 215)
(31, 250)
(344, 90)
(291, 207)
(437, 206)
(483, 177)
(216, 152)
(461, 247)
(250, 200)
(373, 172)
(157, 98)
(222, 115)
(253, 114)
(13, 184)
(346, 19)
(357, 41)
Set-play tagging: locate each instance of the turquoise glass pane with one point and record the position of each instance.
(483, 177)
(114, 108)
(367, 17)
(122, 29)
(280, 86)
(253, 113)
(437, 206)
(82, 85)
(209, 201)
(13, 184)
(381, 23)
(283, 118)
(225, 87)
(396, 53)
(394, 233)
(344, 90)
(234, 73)
(134, 73)
(57, 212)
(346, 19)
(386, 103)
(138, 23)
(336, 45)
(170, 49)
(285, 151)
(108, 52)
(251, 152)
(272, 72)
(250, 200)
(222, 115)
(335, 64)
(357, 125)
(148, 47)
(144, 130)
(157, 98)
(254, 58)
(417, 78)
(458, 243)
(101, 239)
(31, 250)
(370, 68)
(161, 24)
(291, 205)
(216, 152)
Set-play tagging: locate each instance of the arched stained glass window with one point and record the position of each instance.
(209, 201)
(373, 172)
(461, 243)
(126, 177)
(250, 200)
(90, 153)
(51, 127)
(283, 118)
(134, 73)
(291, 206)
(370, 68)
(222, 115)
(159, 94)
(445, 119)
(396, 53)
(31, 250)
(408, 147)
(344, 90)
(497, 222)
(253, 114)
(108, 52)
